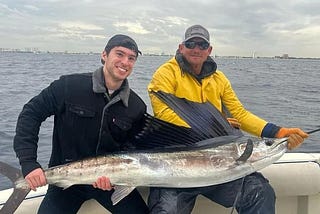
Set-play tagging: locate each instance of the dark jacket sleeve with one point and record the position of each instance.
(270, 130)
(38, 109)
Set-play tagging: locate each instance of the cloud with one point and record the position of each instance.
(175, 20)
(237, 27)
(79, 26)
(31, 7)
(131, 27)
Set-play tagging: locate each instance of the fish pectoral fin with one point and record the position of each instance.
(120, 192)
(65, 184)
(247, 152)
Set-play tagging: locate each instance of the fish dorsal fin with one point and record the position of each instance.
(216, 141)
(204, 118)
(120, 192)
(161, 134)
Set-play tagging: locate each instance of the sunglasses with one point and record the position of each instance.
(192, 44)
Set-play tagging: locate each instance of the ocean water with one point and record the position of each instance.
(282, 91)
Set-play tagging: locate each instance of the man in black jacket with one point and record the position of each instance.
(94, 113)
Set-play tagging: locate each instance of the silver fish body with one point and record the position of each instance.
(191, 168)
(179, 169)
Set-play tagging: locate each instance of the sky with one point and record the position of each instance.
(237, 28)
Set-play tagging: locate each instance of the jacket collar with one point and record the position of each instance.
(208, 67)
(99, 86)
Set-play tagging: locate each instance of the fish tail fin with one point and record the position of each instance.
(18, 194)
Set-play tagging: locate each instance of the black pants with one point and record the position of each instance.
(69, 201)
(256, 197)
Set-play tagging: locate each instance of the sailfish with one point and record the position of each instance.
(210, 152)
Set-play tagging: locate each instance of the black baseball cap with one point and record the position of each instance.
(123, 41)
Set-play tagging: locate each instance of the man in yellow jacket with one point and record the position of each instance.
(192, 74)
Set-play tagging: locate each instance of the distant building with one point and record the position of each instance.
(284, 56)
(25, 50)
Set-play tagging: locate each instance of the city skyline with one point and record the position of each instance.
(238, 28)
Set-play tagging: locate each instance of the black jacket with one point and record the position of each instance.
(87, 121)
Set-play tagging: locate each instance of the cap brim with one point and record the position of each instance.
(196, 36)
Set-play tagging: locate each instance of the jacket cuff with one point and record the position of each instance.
(27, 167)
(270, 130)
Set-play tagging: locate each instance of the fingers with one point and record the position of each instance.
(36, 178)
(300, 132)
(103, 183)
(294, 141)
(286, 132)
(234, 122)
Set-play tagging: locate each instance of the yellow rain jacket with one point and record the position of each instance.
(214, 88)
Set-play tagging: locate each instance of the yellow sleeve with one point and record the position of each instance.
(164, 80)
(249, 121)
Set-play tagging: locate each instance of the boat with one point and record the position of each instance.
(295, 178)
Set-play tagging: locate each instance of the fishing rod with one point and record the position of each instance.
(313, 131)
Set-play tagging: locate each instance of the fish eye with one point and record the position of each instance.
(268, 142)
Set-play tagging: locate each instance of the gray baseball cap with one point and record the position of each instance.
(197, 31)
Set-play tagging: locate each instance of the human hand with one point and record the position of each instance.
(36, 178)
(234, 122)
(295, 136)
(103, 183)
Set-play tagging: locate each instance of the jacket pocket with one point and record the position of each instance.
(80, 111)
(122, 123)
(78, 132)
